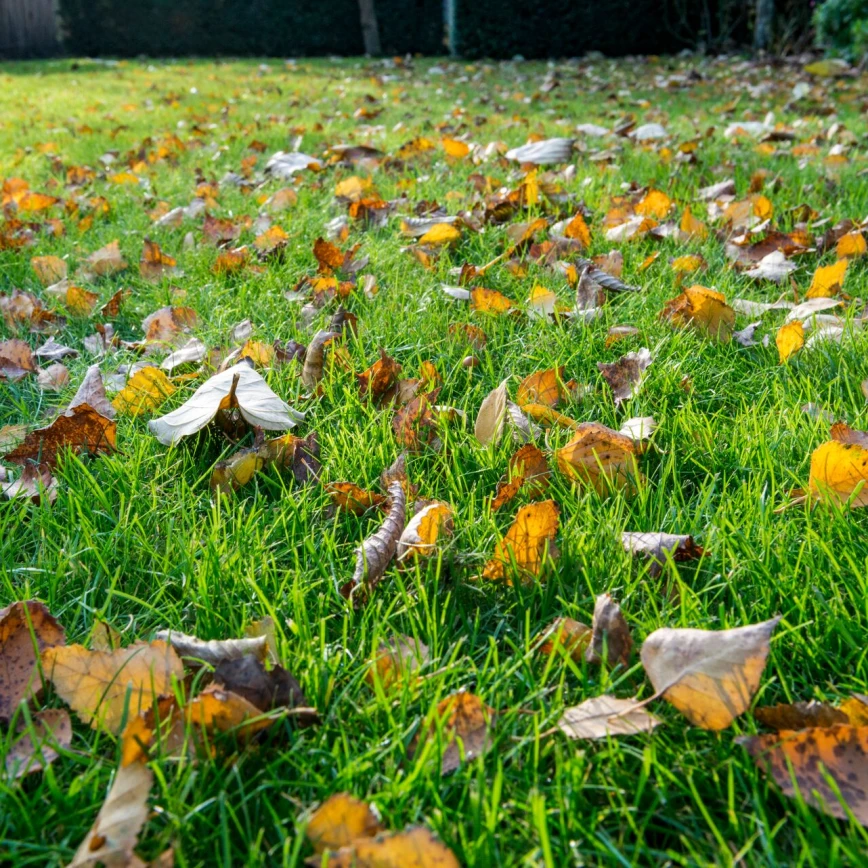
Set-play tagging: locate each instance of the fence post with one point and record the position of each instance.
(27, 28)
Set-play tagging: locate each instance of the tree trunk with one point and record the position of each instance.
(370, 28)
(762, 29)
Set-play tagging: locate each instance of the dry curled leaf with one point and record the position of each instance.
(104, 687)
(238, 387)
(266, 689)
(115, 831)
(27, 628)
(213, 651)
(658, 547)
(610, 634)
(35, 482)
(92, 392)
(800, 715)
(312, 370)
(492, 416)
(802, 762)
(415, 424)
(376, 552)
(710, 676)
(605, 717)
(527, 544)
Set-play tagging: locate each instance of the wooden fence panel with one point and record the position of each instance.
(28, 28)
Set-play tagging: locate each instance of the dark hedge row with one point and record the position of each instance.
(278, 28)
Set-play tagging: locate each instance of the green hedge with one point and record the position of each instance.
(277, 28)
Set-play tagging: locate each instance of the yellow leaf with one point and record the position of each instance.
(762, 207)
(412, 848)
(421, 535)
(710, 676)
(104, 687)
(489, 301)
(526, 543)
(80, 302)
(340, 820)
(49, 269)
(654, 204)
(851, 246)
(828, 280)
(839, 469)
(144, 391)
(693, 227)
(599, 457)
(258, 352)
(789, 339)
(578, 229)
(542, 387)
(688, 263)
(440, 234)
(352, 188)
(455, 148)
(703, 309)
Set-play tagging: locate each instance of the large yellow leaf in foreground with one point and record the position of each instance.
(100, 685)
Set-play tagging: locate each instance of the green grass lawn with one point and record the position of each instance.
(136, 538)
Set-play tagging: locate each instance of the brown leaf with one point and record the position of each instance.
(16, 360)
(352, 498)
(465, 720)
(800, 715)
(54, 378)
(376, 552)
(169, 325)
(101, 686)
(801, 762)
(542, 387)
(35, 482)
(115, 831)
(340, 820)
(656, 547)
(625, 376)
(37, 744)
(710, 676)
(610, 634)
(379, 380)
(155, 264)
(105, 261)
(92, 392)
(49, 269)
(82, 431)
(528, 470)
(398, 661)
(567, 635)
(27, 628)
(312, 371)
(415, 424)
(605, 717)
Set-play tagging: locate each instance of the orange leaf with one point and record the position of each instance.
(526, 543)
(828, 280)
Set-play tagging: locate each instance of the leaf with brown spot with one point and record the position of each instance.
(154, 264)
(527, 470)
(106, 261)
(800, 715)
(16, 360)
(528, 544)
(312, 370)
(464, 723)
(27, 628)
(415, 424)
(92, 392)
(610, 634)
(168, 324)
(600, 457)
(606, 717)
(542, 387)
(82, 430)
(36, 746)
(802, 762)
(271, 243)
(490, 301)
(328, 256)
(115, 831)
(379, 380)
(710, 676)
(35, 483)
(340, 820)
(231, 261)
(702, 309)
(839, 468)
(376, 552)
(352, 498)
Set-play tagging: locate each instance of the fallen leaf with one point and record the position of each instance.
(625, 376)
(49, 269)
(154, 264)
(610, 634)
(312, 370)
(106, 261)
(115, 831)
(212, 651)
(103, 687)
(35, 483)
(492, 416)
(773, 266)
(528, 470)
(168, 324)
(600, 457)
(710, 676)
(542, 387)
(828, 280)
(423, 532)
(527, 544)
(37, 745)
(145, 391)
(54, 378)
(568, 636)
(380, 379)
(397, 661)
(839, 468)
(376, 552)
(82, 431)
(605, 717)
(851, 246)
(789, 340)
(412, 848)
(544, 152)
(352, 498)
(340, 820)
(415, 425)
(238, 387)
(703, 309)
(465, 720)
(659, 547)
(803, 762)
(800, 715)
(265, 689)
(27, 628)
